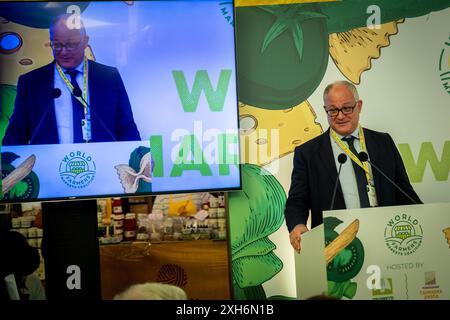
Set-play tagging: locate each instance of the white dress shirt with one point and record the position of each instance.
(347, 177)
(63, 105)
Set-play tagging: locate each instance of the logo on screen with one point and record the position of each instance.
(444, 66)
(77, 170)
(403, 235)
(226, 7)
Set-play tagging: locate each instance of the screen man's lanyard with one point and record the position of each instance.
(86, 121)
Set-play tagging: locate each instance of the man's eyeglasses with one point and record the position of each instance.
(71, 46)
(334, 112)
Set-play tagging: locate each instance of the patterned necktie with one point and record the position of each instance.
(77, 108)
(361, 180)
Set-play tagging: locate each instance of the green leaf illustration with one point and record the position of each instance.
(274, 32)
(330, 223)
(18, 190)
(258, 248)
(7, 97)
(342, 289)
(258, 212)
(288, 17)
(249, 293)
(298, 39)
(259, 207)
(255, 270)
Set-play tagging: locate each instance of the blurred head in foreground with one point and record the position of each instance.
(152, 291)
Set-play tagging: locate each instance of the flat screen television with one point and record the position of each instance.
(150, 107)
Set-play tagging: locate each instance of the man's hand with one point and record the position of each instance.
(295, 236)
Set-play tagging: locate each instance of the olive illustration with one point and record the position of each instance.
(28, 188)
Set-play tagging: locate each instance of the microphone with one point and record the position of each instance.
(56, 93)
(78, 94)
(342, 158)
(363, 157)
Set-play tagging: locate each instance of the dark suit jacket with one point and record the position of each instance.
(34, 102)
(315, 173)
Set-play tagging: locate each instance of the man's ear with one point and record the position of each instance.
(360, 104)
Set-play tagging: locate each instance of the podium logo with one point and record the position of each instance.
(386, 290)
(403, 235)
(77, 170)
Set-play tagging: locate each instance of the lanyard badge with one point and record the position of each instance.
(86, 129)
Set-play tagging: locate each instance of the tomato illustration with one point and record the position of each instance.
(282, 54)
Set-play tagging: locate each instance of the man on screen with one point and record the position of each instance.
(72, 99)
(361, 185)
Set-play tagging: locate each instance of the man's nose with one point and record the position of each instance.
(340, 115)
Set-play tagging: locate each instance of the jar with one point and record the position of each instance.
(142, 236)
(213, 223)
(118, 223)
(213, 212)
(25, 222)
(129, 227)
(213, 202)
(221, 200)
(33, 242)
(117, 206)
(15, 222)
(221, 223)
(220, 212)
(32, 232)
(222, 234)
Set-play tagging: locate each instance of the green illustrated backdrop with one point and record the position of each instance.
(398, 55)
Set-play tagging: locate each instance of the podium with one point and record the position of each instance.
(383, 253)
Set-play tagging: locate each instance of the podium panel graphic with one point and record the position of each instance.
(385, 253)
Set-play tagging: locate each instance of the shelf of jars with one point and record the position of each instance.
(180, 217)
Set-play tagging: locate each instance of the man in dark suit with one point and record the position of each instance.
(72, 99)
(315, 166)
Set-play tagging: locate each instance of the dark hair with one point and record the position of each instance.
(18, 258)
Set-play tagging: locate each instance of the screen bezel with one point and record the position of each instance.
(152, 193)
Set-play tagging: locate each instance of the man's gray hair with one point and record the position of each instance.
(350, 86)
(65, 17)
(152, 291)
